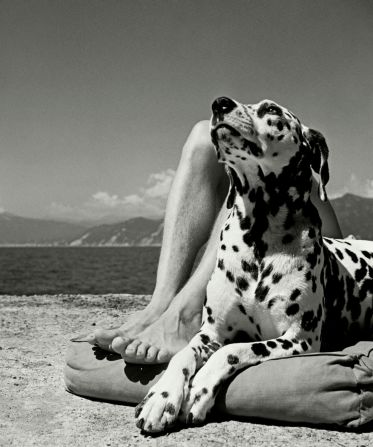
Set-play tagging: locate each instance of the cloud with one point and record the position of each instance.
(106, 200)
(160, 184)
(354, 185)
(149, 201)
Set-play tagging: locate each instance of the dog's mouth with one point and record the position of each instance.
(223, 125)
(247, 145)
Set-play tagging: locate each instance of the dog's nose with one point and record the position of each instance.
(223, 105)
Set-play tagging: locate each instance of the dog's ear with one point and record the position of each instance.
(319, 157)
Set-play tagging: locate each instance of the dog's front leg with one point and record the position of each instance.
(226, 362)
(161, 406)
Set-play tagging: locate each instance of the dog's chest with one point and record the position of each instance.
(250, 293)
(233, 250)
(231, 290)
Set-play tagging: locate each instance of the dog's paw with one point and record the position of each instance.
(197, 405)
(158, 410)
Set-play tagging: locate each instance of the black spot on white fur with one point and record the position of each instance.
(260, 349)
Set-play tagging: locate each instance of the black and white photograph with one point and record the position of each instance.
(186, 223)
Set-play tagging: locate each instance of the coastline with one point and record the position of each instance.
(37, 411)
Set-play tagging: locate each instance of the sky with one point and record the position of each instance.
(98, 97)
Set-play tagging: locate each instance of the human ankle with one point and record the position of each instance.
(159, 303)
(188, 305)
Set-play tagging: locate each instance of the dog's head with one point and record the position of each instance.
(265, 134)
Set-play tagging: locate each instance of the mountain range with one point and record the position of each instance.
(138, 231)
(355, 215)
(16, 230)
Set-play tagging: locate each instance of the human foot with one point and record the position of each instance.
(134, 324)
(162, 339)
(152, 335)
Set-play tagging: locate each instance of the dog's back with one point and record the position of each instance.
(348, 291)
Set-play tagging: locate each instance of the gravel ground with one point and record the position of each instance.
(36, 410)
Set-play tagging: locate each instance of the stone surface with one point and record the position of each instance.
(35, 409)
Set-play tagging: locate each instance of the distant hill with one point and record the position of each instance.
(138, 231)
(355, 215)
(25, 230)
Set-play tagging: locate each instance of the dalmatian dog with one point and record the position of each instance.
(278, 288)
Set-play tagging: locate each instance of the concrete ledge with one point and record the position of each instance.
(37, 411)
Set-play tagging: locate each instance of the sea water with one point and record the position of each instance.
(96, 270)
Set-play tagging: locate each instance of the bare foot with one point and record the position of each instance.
(134, 325)
(150, 336)
(162, 339)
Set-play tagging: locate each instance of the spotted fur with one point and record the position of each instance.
(279, 287)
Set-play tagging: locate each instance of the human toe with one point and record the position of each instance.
(142, 350)
(131, 349)
(151, 354)
(163, 356)
(119, 345)
(104, 337)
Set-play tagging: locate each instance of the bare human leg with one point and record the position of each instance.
(181, 320)
(173, 315)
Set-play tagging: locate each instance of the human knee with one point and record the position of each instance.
(198, 150)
